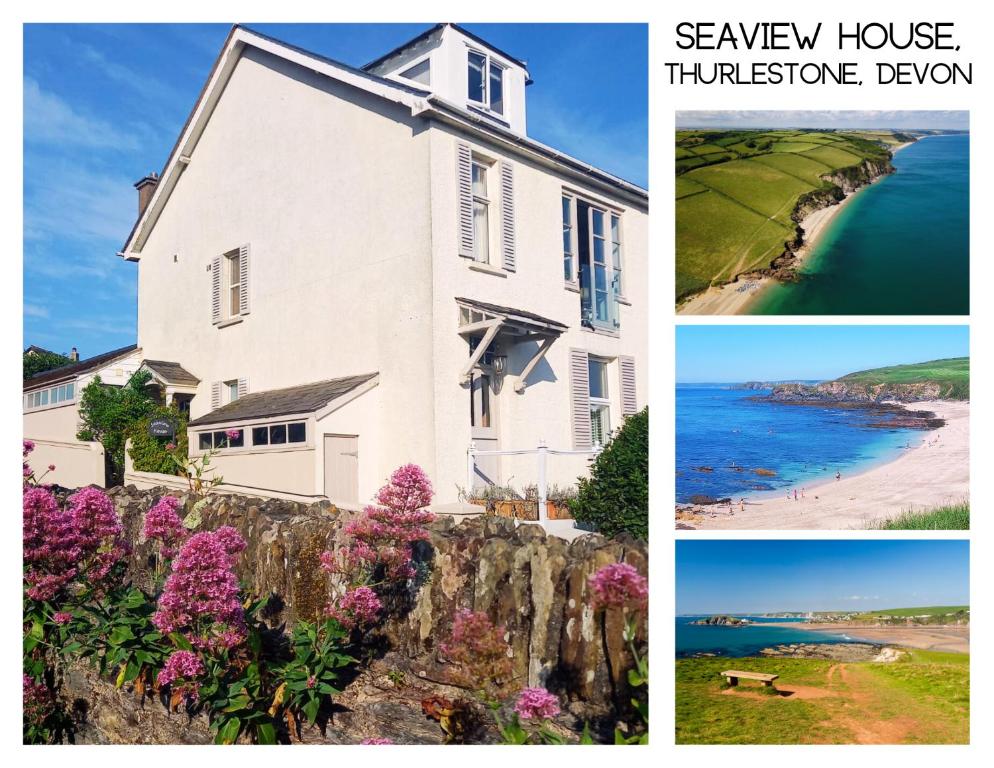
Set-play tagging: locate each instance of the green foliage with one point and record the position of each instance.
(313, 671)
(39, 362)
(149, 453)
(954, 517)
(951, 374)
(107, 413)
(615, 498)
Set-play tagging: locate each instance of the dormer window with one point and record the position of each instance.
(486, 82)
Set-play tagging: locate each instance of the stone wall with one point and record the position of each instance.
(531, 583)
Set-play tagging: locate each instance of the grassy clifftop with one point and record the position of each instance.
(952, 375)
(736, 193)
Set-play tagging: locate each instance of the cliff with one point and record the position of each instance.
(722, 621)
(841, 391)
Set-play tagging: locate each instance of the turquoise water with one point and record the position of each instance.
(731, 432)
(745, 641)
(900, 246)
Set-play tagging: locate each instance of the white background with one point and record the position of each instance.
(973, 33)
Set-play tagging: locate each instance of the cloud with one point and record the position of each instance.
(862, 597)
(49, 119)
(33, 310)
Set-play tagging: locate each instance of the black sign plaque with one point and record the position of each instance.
(162, 428)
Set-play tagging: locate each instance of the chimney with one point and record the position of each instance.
(146, 188)
(74, 355)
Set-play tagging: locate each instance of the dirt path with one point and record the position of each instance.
(861, 693)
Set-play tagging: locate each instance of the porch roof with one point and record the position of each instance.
(305, 398)
(528, 320)
(171, 373)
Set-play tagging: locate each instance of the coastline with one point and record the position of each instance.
(933, 472)
(735, 298)
(954, 638)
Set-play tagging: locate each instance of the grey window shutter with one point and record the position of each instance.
(464, 181)
(216, 290)
(507, 215)
(243, 289)
(626, 368)
(579, 381)
(242, 387)
(215, 395)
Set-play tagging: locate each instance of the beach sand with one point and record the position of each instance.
(953, 638)
(933, 472)
(736, 298)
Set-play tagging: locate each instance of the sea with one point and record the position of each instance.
(723, 435)
(899, 247)
(748, 640)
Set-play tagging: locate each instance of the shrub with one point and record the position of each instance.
(615, 498)
(149, 453)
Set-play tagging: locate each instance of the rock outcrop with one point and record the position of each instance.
(722, 621)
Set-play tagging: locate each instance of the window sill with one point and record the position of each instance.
(575, 287)
(623, 300)
(487, 269)
(614, 333)
(229, 321)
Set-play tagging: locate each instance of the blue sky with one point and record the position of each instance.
(103, 105)
(737, 353)
(729, 576)
(907, 118)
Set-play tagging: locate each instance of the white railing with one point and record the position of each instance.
(543, 452)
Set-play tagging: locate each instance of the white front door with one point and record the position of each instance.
(341, 468)
(483, 428)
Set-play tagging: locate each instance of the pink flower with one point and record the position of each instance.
(170, 446)
(51, 467)
(359, 607)
(98, 530)
(409, 490)
(26, 447)
(163, 524)
(37, 700)
(201, 596)
(618, 585)
(311, 682)
(536, 704)
(180, 672)
(233, 434)
(374, 740)
(62, 617)
(480, 652)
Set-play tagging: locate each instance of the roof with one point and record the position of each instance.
(76, 369)
(171, 373)
(305, 398)
(41, 351)
(421, 103)
(497, 309)
(432, 30)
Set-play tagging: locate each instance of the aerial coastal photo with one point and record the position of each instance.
(822, 427)
(822, 642)
(822, 213)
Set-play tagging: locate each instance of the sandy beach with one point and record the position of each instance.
(934, 471)
(954, 638)
(735, 298)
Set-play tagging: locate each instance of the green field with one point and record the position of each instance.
(933, 610)
(923, 698)
(759, 177)
(951, 374)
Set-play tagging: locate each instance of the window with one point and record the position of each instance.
(231, 390)
(481, 214)
(63, 393)
(233, 271)
(479, 406)
(262, 435)
(599, 257)
(419, 73)
(485, 81)
(569, 245)
(600, 407)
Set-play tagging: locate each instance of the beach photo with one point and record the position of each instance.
(822, 213)
(822, 642)
(822, 427)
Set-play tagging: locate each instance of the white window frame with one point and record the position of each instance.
(485, 200)
(230, 391)
(55, 396)
(601, 405)
(489, 62)
(232, 261)
(612, 267)
(571, 280)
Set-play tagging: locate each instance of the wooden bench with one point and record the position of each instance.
(733, 676)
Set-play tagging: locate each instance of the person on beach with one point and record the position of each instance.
(802, 493)
(838, 475)
(795, 494)
(742, 505)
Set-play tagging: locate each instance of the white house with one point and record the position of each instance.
(356, 268)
